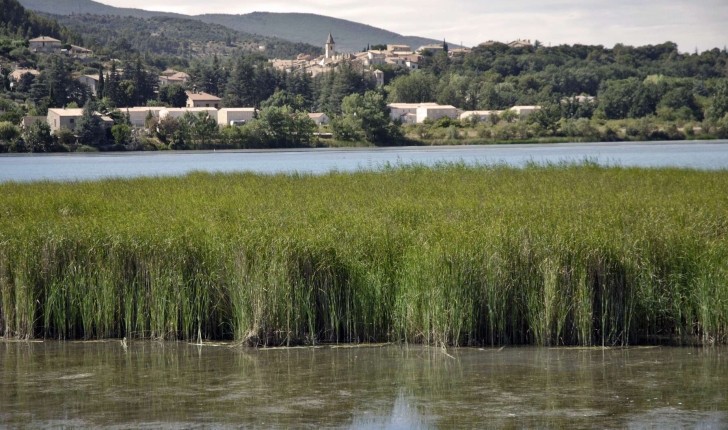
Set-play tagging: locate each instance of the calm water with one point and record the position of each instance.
(171, 385)
(706, 155)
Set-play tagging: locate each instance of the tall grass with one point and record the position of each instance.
(454, 255)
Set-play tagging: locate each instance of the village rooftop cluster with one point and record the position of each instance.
(395, 55)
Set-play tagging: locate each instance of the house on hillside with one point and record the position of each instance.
(91, 81)
(58, 118)
(174, 78)
(79, 52)
(396, 49)
(45, 45)
(432, 48)
(520, 44)
(459, 52)
(235, 116)
(18, 73)
(195, 100)
(319, 118)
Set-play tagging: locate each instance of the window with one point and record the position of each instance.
(207, 105)
(72, 120)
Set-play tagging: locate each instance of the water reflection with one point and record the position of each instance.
(152, 384)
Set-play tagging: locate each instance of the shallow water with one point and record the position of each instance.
(171, 385)
(33, 167)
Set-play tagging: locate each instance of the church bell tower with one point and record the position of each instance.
(330, 47)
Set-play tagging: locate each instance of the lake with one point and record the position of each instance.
(34, 167)
(171, 385)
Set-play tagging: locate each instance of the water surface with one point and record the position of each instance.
(172, 385)
(33, 167)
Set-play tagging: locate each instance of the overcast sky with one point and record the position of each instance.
(691, 24)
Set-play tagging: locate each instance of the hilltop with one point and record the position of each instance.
(296, 27)
(165, 35)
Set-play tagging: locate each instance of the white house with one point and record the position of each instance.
(481, 115)
(44, 44)
(436, 112)
(432, 48)
(398, 110)
(524, 111)
(180, 112)
(235, 116)
(319, 118)
(138, 115)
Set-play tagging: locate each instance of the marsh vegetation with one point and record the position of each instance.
(571, 254)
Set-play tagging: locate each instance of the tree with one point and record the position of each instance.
(121, 134)
(100, 88)
(174, 95)
(368, 116)
(90, 127)
(38, 137)
(240, 90)
(8, 132)
(284, 127)
(284, 98)
(719, 104)
(413, 88)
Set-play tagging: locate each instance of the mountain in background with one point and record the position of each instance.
(296, 27)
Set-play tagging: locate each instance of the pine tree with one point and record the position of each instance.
(100, 88)
(90, 128)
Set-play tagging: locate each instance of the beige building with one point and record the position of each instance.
(524, 111)
(195, 100)
(235, 116)
(80, 52)
(138, 115)
(59, 118)
(319, 118)
(520, 44)
(397, 111)
(90, 81)
(18, 73)
(44, 44)
(173, 78)
(394, 49)
(180, 112)
(436, 112)
(432, 48)
(479, 115)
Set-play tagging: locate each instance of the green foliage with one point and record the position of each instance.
(452, 255)
(281, 127)
(173, 95)
(121, 133)
(38, 137)
(284, 98)
(413, 88)
(65, 136)
(9, 132)
(90, 127)
(125, 37)
(367, 117)
(719, 104)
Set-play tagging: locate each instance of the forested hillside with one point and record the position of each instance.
(295, 27)
(120, 36)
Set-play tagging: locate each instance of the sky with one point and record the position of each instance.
(691, 24)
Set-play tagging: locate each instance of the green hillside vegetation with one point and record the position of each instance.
(450, 255)
(122, 36)
(296, 27)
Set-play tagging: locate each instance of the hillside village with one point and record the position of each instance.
(196, 101)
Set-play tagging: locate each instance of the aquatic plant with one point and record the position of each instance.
(568, 254)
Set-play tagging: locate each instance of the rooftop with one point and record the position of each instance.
(44, 39)
(202, 96)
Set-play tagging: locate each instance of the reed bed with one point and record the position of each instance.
(569, 254)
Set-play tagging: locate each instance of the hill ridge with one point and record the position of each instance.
(303, 27)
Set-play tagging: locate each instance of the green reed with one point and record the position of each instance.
(569, 254)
